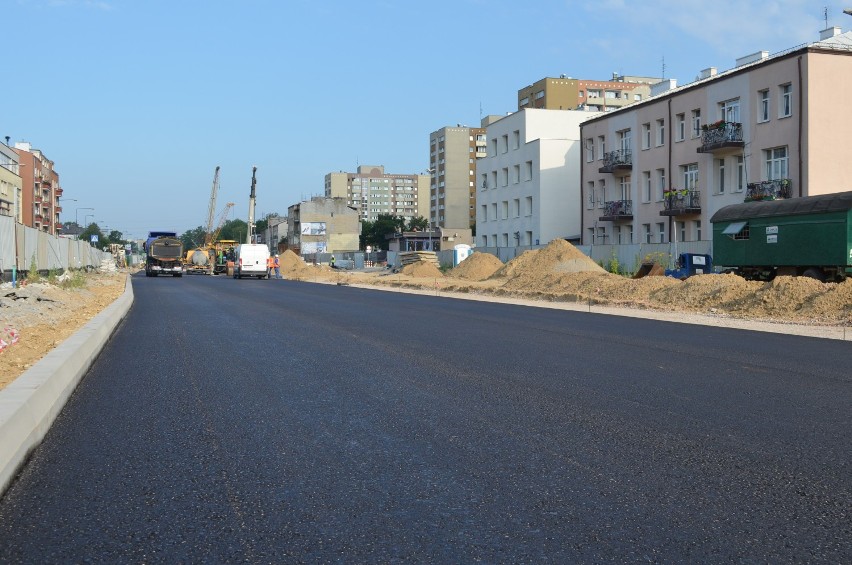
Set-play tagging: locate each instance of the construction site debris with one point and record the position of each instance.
(476, 267)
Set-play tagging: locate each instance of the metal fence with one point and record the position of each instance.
(23, 248)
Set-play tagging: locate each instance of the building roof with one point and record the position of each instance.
(841, 42)
(824, 203)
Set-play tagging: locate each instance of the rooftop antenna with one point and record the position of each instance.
(825, 15)
(664, 67)
(480, 110)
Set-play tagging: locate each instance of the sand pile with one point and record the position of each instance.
(558, 257)
(422, 269)
(477, 267)
(290, 262)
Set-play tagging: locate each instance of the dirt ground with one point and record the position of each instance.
(37, 317)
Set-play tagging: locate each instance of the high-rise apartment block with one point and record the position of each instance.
(372, 192)
(453, 152)
(566, 93)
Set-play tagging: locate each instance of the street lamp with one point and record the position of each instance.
(77, 218)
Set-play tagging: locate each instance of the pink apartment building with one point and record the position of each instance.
(772, 127)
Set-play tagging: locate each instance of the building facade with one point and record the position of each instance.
(11, 184)
(323, 225)
(566, 93)
(528, 185)
(372, 192)
(453, 152)
(40, 193)
(769, 128)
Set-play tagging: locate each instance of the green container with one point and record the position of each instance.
(810, 235)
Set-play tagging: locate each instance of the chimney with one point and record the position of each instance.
(663, 86)
(753, 58)
(828, 33)
(707, 73)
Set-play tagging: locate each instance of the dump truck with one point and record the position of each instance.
(164, 254)
(809, 236)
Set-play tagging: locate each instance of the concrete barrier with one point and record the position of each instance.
(30, 404)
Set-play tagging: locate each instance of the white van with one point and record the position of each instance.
(250, 260)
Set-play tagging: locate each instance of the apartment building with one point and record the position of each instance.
(769, 128)
(323, 225)
(566, 93)
(453, 152)
(528, 185)
(40, 189)
(11, 187)
(372, 192)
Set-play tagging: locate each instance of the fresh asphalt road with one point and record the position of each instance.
(282, 422)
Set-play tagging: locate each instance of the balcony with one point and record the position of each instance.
(616, 210)
(619, 163)
(778, 189)
(58, 191)
(681, 202)
(721, 137)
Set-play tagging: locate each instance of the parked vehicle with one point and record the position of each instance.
(164, 254)
(809, 236)
(251, 260)
(689, 264)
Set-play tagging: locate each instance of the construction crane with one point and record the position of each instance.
(217, 248)
(211, 211)
(221, 223)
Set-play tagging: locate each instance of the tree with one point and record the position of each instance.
(234, 229)
(116, 236)
(417, 224)
(93, 229)
(373, 233)
(193, 238)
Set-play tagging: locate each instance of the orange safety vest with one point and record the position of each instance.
(270, 263)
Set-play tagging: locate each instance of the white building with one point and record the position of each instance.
(528, 187)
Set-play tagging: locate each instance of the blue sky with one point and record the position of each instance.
(137, 101)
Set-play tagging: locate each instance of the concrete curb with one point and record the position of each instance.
(30, 404)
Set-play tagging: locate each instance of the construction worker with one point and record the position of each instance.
(277, 264)
(332, 261)
(270, 264)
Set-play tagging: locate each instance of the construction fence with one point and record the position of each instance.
(23, 247)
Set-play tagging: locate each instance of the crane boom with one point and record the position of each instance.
(211, 210)
(251, 207)
(221, 223)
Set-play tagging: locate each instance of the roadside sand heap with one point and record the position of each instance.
(558, 256)
(291, 265)
(477, 267)
(422, 269)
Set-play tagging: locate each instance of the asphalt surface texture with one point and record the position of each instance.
(276, 421)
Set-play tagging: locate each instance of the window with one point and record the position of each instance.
(484, 182)
(661, 184)
(737, 230)
(504, 240)
(720, 175)
(624, 141)
(590, 190)
(661, 132)
(529, 170)
(516, 174)
(601, 193)
(516, 139)
(494, 211)
(484, 214)
(504, 176)
(729, 110)
(741, 176)
(785, 105)
(680, 229)
(690, 176)
(528, 206)
(516, 208)
(505, 210)
(494, 147)
(504, 143)
(624, 184)
(524, 101)
(763, 106)
(661, 232)
(776, 163)
(680, 127)
(601, 147)
(646, 233)
(646, 136)
(697, 230)
(590, 149)
(591, 235)
(646, 186)
(637, 97)
(696, 122)
(593, 93)
(539, 95)
(493, 183)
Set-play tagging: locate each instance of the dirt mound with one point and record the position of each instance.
(477, 267)
(290, 262)
(558, 257)
(422, 269)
